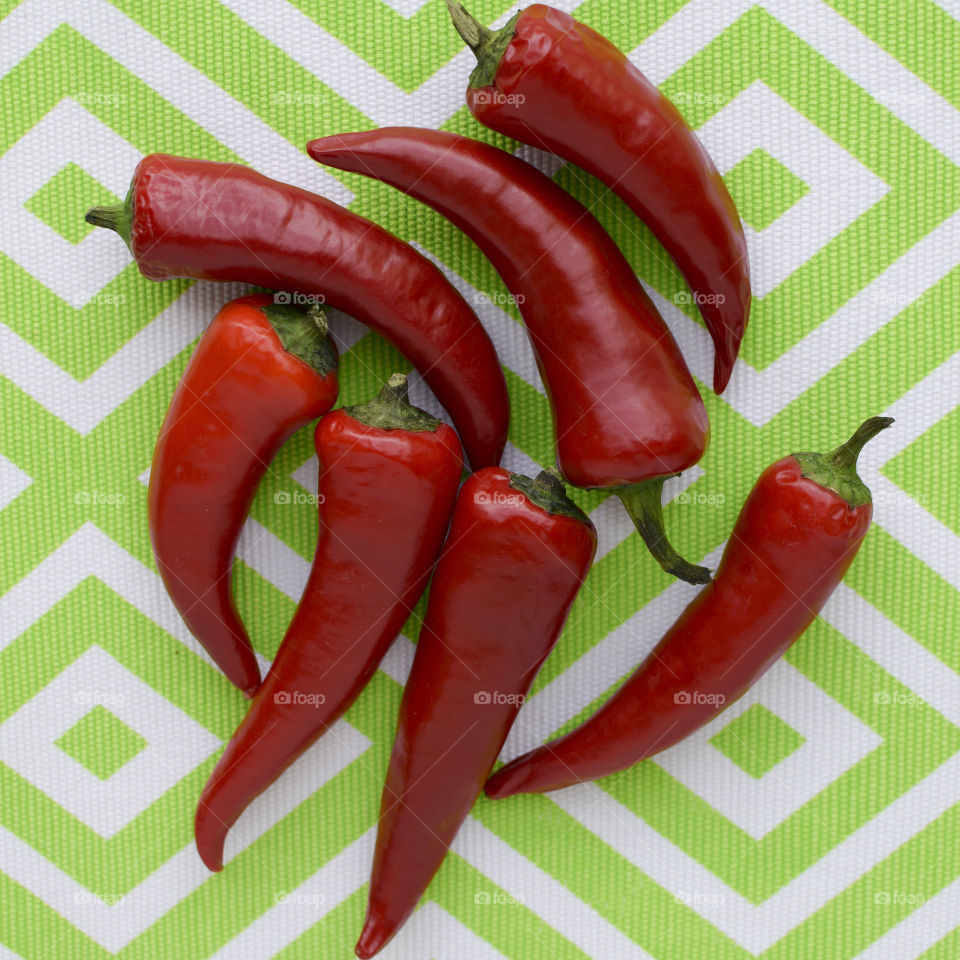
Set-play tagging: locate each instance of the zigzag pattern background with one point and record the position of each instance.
(816, 817)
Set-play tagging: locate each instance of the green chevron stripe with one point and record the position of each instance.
(902, 32)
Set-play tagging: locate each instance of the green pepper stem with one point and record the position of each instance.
(108, 217)
(117, 217)
(845, 456)
(488, 46)
(473, 33)
(644, 503)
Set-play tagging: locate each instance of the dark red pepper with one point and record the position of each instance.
(516, 555)
(547, 80)
(796, 535)
(627, 413)
(388, 481)
(260, 372)
(224, 221)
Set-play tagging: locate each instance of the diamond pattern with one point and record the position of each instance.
(757, 741)
(56, 202)
(101, 742)
(826, 789)
(763, 188)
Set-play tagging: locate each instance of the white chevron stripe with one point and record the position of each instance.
(84, 404)
(897, 652)
(600, 667)
(406, 8)
(950, 6)
(917, 530)
(835, 741)
(688, 31)
(277, 563)
(13, 481)
(840, 187)
(352, 77)
(915, 412)
(174, 79)
(760, 395)
(542, 894)
(757, 927)
(913, 936)
(175, 744)
(684, 35)
(923, 406)
(88, 552)
(871, 67)
(114, 924)
(396, 664)
(347, 74)
(516, 461)
(298, 910)
(74, 272)
(448, 938)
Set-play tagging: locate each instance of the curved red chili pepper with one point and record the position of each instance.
(547, 80)
(796, 535)
(388, 481)
(517, 553)
(627, 413)
(260, 372)
(224, 221)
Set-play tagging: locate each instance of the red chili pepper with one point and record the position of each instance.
(260, 372)
(388, 482)
(627, 413)
(547, 80)
(796, 535)
(514, 560)
(224, 221)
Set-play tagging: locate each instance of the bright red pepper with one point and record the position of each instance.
(260, 372)
(517, 553)
(796, 535)
(627, 413)
(388, 481)
(224, 221)
(547, 80)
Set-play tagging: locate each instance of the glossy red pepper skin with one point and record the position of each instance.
(223, 221)
(563, 87)
(385, 501)
(625, 406)
(501, 592)
(241, 397)
(793, 541)
(626, 410)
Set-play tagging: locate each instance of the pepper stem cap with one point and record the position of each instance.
(391, 409)
(304, 334)
(117, 217)
(837, 470)
(644, 503)
(548, 491)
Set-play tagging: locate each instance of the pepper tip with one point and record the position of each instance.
(373, 938)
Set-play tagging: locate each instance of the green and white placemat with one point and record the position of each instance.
(817, 818)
